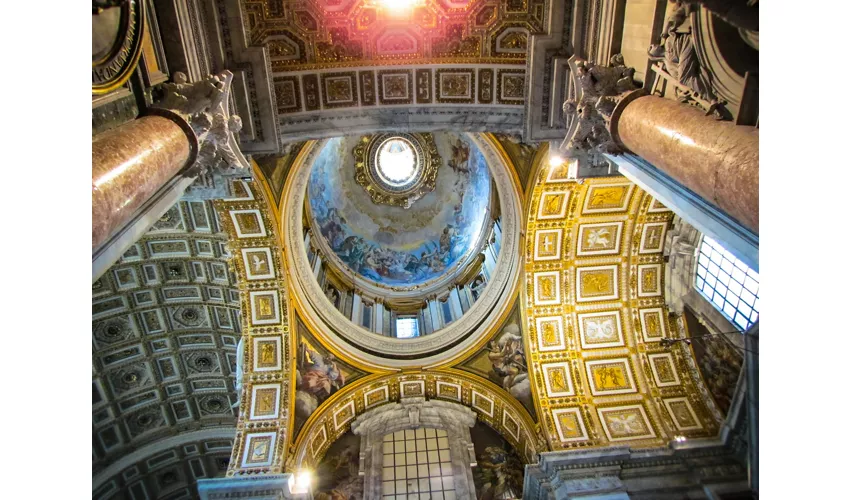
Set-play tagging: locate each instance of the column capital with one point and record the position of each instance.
(205, 106)
(598, 90)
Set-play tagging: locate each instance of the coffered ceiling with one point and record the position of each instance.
(364, 65)
(165, 326)
(322, 33)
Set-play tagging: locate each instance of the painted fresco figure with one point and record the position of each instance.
(498, 475)
(316, 378)
(507, 358)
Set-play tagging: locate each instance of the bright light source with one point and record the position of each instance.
(555, 160)
(396, 162)
(303, 478)
(399, 5)
(680, 439)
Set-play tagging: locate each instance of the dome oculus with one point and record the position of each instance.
(396, 169)
(396, 162)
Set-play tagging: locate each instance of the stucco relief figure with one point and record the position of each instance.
(626, 424)
(510, 370)
(601, 329)
(316, 378)
(598, 237)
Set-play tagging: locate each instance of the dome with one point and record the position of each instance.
(400, 211)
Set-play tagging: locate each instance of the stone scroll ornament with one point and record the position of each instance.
(204, 105)
(598, 89)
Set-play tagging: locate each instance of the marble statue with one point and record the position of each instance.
(742, 14)
(240, 355)
(678, 55)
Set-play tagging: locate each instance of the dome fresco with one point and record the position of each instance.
(397, 246)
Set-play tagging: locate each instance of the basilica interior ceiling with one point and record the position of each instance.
(165, 326)
(392, 245)
(576, 362)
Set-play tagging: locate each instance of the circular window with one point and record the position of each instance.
(397, 165)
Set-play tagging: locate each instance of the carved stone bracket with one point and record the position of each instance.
(204, 106)
(598, 91)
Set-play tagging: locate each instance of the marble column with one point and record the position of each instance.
(717, 160)
(186, 132)
(610, 115)
(129, 164)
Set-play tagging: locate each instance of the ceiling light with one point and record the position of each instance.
(555, 160)
(399, 5)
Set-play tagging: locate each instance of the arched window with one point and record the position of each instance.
(729, 284)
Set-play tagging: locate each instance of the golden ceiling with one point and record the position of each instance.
(306, 34)
(595, 316)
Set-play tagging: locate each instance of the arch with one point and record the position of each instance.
(491, 404)
(149, 450)
(264, 418)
